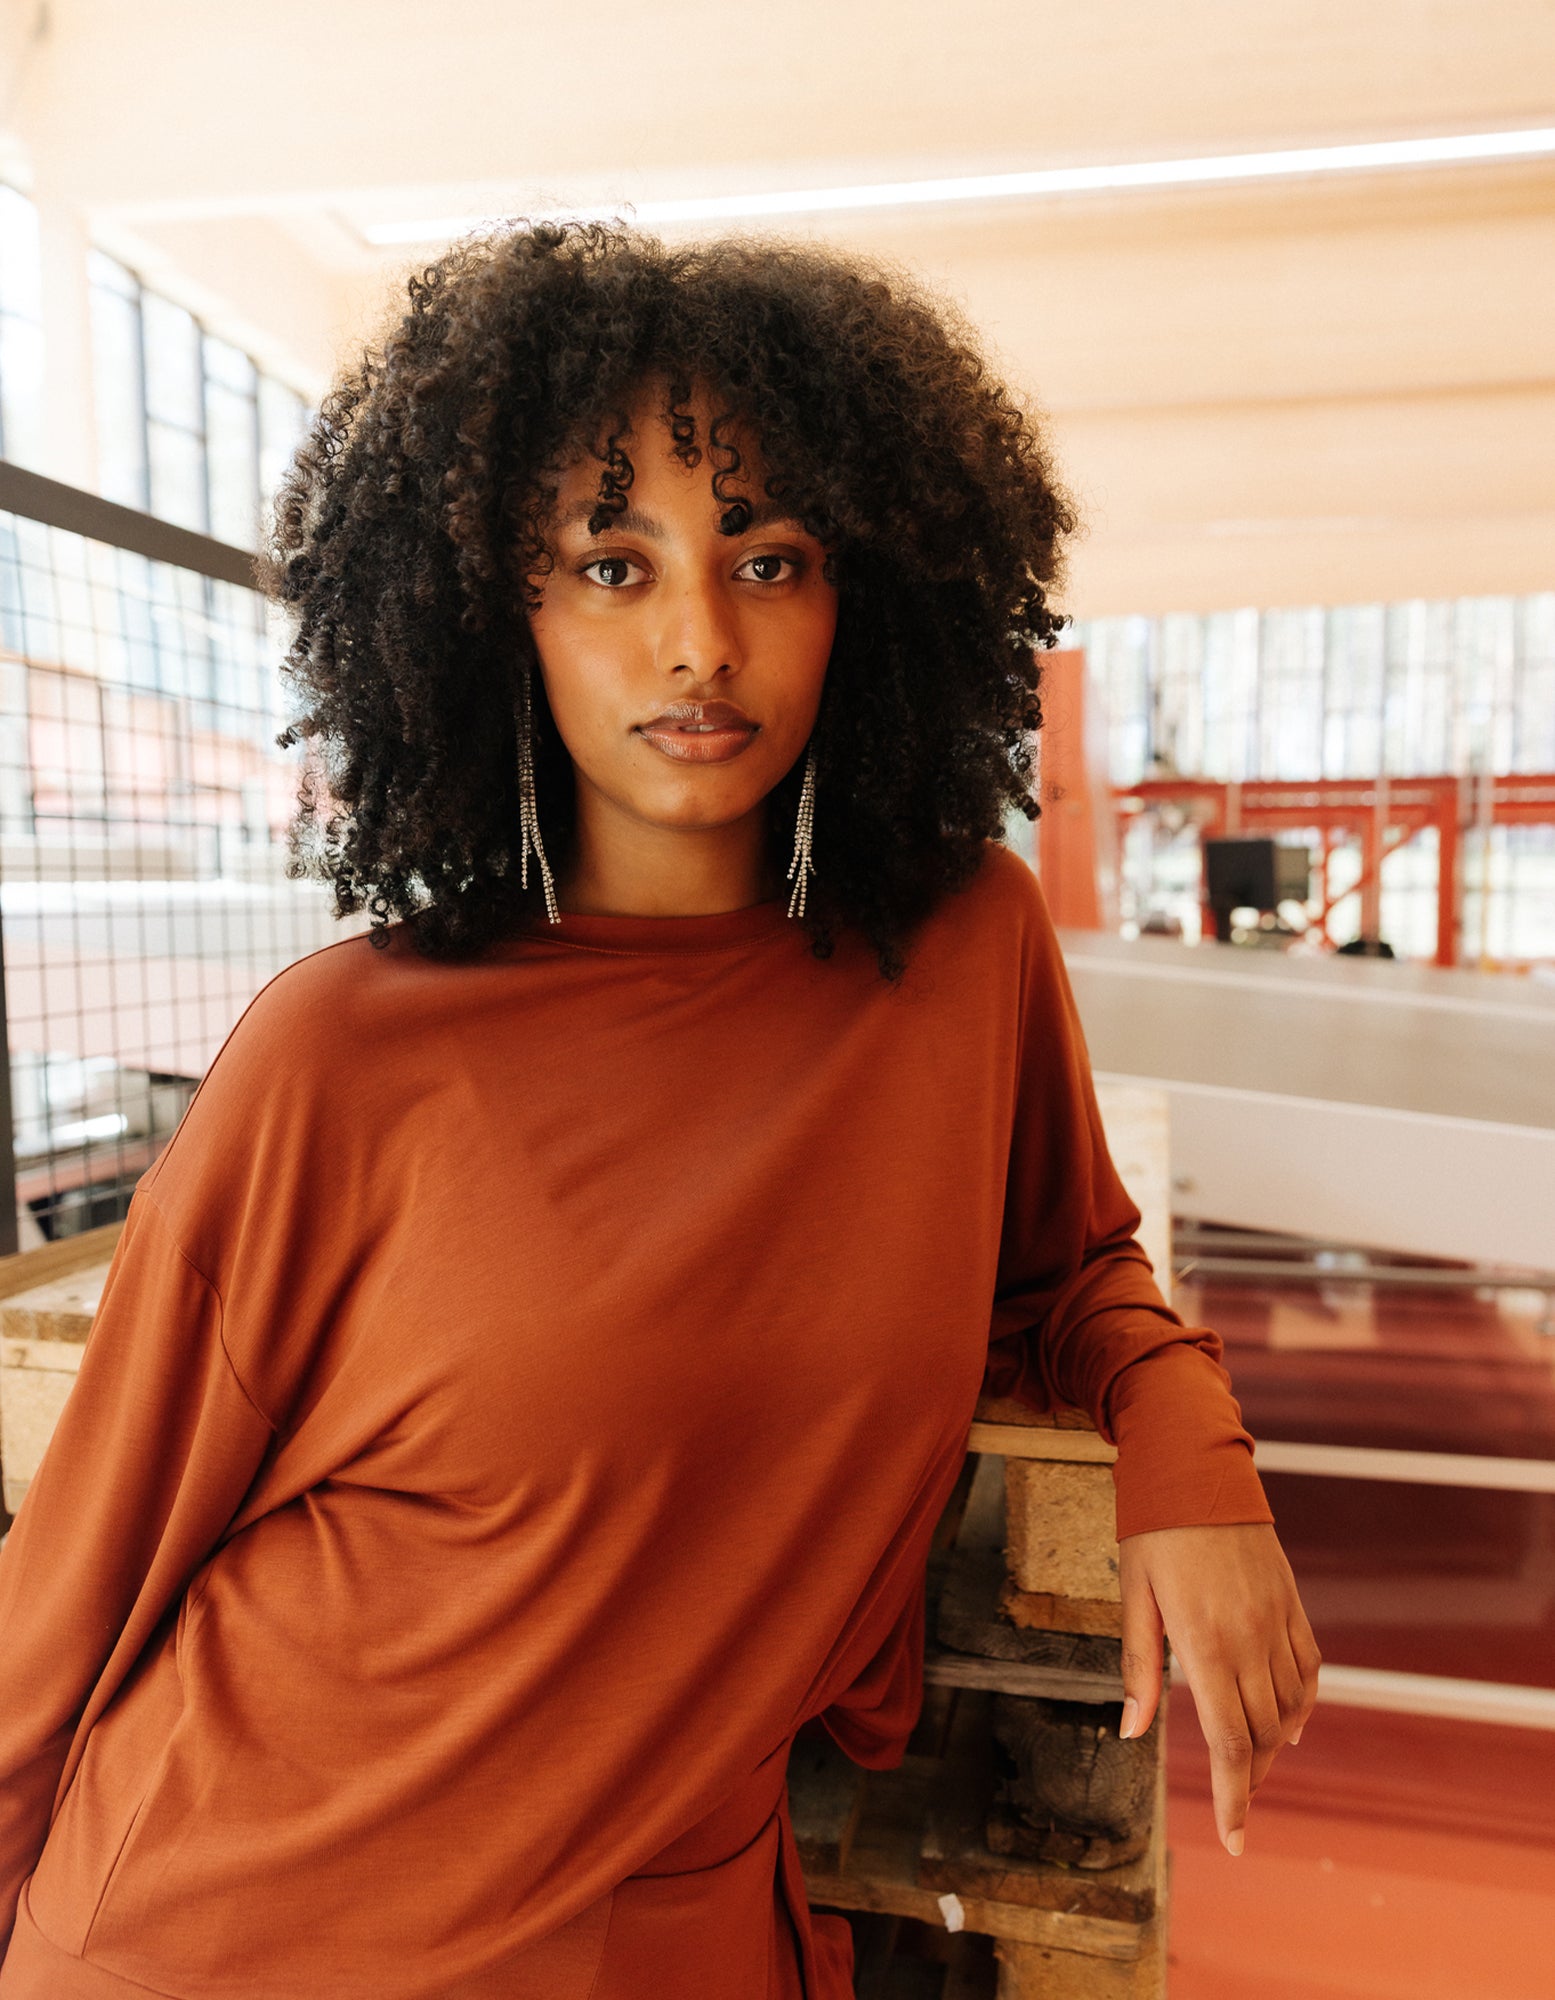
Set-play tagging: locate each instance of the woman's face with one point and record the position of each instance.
(661, 612)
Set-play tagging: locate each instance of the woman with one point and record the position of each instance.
(528, 1381)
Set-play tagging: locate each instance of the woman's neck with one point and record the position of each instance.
(629, 869)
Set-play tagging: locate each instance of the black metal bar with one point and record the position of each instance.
(67, 507)
(9, 1241)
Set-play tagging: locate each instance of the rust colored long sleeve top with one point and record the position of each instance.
(521, 1399)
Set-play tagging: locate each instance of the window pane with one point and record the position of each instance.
(282, 416)
(232, 449)
(21, 390)
(121, 420)
(282, 413)
(110, 275)
(19, 262)
(177, 475)
(173, 372)
(229, 365)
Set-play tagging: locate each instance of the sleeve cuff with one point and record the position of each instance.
(1184, 1459)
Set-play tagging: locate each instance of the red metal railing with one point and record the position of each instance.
(1383, 814)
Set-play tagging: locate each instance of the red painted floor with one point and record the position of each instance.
(1389, 1857)
(1422, 1579)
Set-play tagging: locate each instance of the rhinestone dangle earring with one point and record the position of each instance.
(529, 820)
(804, 828)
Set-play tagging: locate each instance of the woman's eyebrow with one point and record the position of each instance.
(632, 521)
(764, 513)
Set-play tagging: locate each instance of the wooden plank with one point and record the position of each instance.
(27, 1268)
(960, 1670)
(1041, 1972)
(61, 1309)
(1070, 1789)
(1006, 1410)
(1070, 1446)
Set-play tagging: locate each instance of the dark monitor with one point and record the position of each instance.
(1254, 874)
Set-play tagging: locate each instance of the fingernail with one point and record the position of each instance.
(1234, 1842)
(1130, 1716)
(1295, 1736)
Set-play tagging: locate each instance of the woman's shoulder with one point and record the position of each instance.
(1002, 903)
(289, 1063)
(315, 1007)
(1007, 877)
(992, 940)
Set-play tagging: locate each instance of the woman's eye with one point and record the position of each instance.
(611, 571)
(765, 569)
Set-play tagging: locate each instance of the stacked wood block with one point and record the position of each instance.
(47, 1299)
(1019, 1812)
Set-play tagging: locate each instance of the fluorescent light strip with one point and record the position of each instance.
(1457, 149)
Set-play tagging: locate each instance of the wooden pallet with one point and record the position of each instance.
(910, 1843)
(907, 1851)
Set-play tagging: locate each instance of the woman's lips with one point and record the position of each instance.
(698, 746)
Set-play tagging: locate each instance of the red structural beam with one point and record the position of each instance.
(1385, 812)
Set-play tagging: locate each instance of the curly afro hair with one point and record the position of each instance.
(412, 525)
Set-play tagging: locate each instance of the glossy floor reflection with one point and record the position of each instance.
(1389, 1857)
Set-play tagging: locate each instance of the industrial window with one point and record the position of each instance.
(21, 331)
(1461, 688)
(189, 428)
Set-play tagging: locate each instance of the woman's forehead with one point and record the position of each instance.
(647, 426)
(652, 442)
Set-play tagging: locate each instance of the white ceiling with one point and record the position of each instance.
(178, 105)
(1262, 394)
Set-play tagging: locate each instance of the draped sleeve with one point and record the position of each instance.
(1078, 1317)
(193, 1351)
(155, 1448)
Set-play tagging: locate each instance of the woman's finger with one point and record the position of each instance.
(1265, 1727)
(1290, 1685)
(1223, 1721)
(1308, 1660)
(1141, 1652)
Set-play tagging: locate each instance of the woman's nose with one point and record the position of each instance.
(699, 629)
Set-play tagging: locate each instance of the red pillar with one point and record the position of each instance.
(1447, 877)
(1069, 829)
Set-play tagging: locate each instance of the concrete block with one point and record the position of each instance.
(36, 1376)
(1061, 1522)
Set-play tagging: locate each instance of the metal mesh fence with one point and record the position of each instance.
(143, 898)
